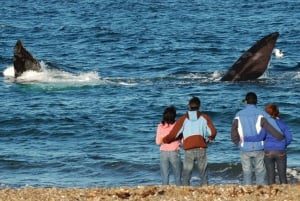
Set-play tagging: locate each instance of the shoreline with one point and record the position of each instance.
(289, 192)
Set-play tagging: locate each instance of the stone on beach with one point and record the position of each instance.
(156, 193)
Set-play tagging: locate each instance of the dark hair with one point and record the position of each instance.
(194, 103)
(251, 98)
(169, 115)
(272, 110)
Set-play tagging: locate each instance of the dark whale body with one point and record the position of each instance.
(253, 63)
(23, 60)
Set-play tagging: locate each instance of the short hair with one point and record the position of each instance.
(194, 103)
(169, 115)
(272, 110)
(251, 98)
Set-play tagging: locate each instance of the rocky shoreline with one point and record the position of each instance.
(156, 193)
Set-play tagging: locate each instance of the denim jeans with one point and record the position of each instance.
(278, 158)
(190, 157)
(170, 159)
(253, 161)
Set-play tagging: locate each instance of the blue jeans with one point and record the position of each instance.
(278, 158)
(190, 157)
(253, 161)
(170, 159)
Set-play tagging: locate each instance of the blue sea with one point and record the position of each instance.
(111, 67)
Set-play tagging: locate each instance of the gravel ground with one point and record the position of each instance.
(156, 193)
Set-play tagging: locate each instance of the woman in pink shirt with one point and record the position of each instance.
(169, 153)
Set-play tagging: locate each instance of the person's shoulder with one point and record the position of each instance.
(242, 111)
(183, 116)
(281, 122)
(204, 115)
(161, 125)
(239, 111)
(255, 110)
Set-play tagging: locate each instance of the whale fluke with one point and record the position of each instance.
(23, 60)
(253, 63)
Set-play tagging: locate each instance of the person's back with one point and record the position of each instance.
(249, 125)
(272, 143)
(195, 130)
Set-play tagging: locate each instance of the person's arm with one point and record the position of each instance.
(256, 138)
(287, 133)
(211, 128)
(158, 138)
(235, 137)
(288, 136)
(270, 129)
(175, 132)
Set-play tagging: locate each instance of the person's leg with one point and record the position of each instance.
(164, 167)
(270, 167)
(187, 167)
(176, 166)
(260, 169)
(281, 161)
(247, 170)
(202, 166)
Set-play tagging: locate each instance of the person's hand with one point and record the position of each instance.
(208, 141)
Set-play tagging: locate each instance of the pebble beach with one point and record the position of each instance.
(156, 193)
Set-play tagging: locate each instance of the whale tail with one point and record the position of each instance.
(253, 63)
(23, 60)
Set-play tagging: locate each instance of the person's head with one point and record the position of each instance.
(272, 110)
(194, 103)
(169, 115)
(251, 98)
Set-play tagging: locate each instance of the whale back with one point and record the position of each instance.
(23, 60)
(254, 62)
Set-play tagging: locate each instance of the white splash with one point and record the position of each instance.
(60, 78)
(47, 75)
(9, 72)
(297, 76)
(278, 53)
(216, 74)
(294, 173)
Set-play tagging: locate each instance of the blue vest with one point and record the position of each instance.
(249, 124)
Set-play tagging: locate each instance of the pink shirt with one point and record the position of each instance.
(162, 131)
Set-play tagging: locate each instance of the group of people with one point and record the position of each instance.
(261, 136)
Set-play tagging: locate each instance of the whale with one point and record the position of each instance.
(254, 62)
(23, 60)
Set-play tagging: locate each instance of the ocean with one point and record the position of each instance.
(110, 68)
